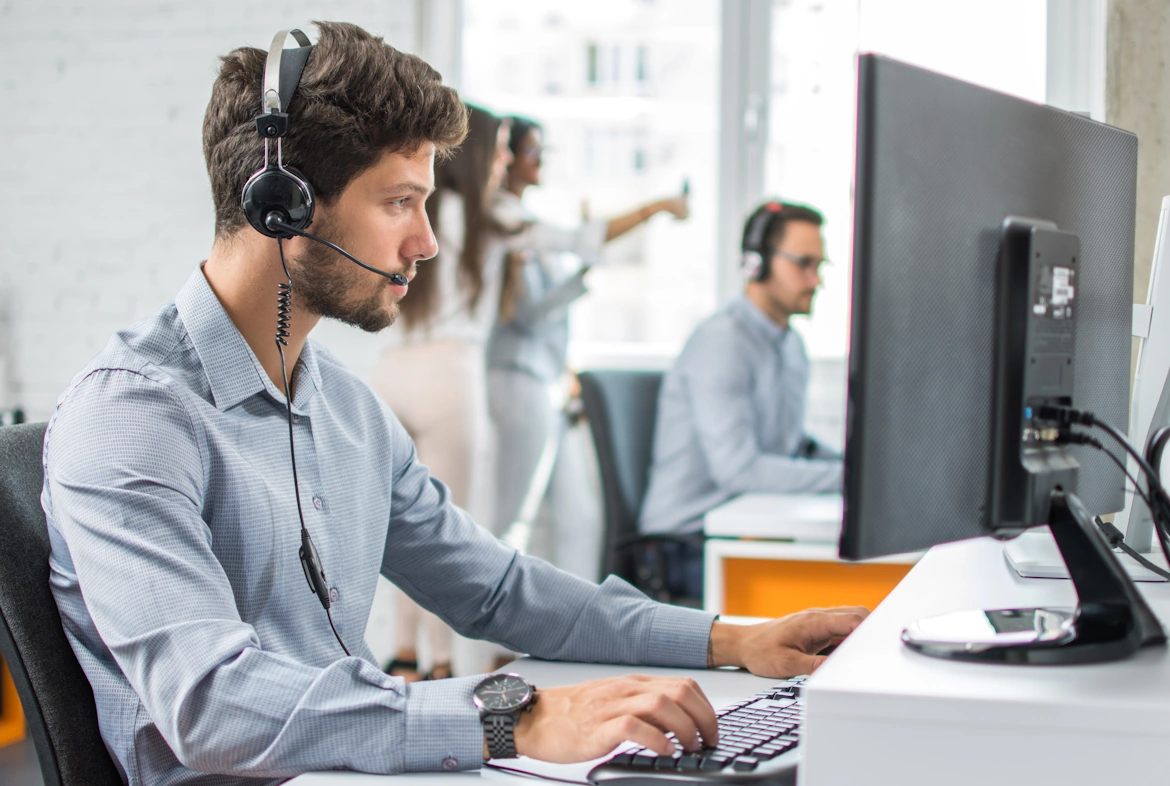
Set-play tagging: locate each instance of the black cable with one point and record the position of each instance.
(1116, 540)
(1155, 498)
(274, 223)
(283, 323)
(1077, 438)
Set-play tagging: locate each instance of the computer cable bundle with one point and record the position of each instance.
(1154, 497)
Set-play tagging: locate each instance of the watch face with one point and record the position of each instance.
(502, 693)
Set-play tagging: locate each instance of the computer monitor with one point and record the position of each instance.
(957, 188)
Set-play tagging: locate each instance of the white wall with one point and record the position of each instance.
(105, 206)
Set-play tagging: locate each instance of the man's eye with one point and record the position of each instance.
(400, 202)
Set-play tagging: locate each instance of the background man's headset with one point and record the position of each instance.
(757, 263)
(279, 203)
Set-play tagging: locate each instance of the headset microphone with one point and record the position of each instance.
(275, 223)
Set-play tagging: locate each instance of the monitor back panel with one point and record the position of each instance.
(940, 164)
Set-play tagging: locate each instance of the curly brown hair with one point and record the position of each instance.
(358, 99)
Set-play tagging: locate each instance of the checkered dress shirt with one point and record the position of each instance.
(173, 523)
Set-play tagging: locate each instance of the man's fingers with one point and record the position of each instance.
(696, 704)
(828, 626)
(664, 712)
(629, 727)
(802, 663)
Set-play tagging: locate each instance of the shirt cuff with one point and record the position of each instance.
(443, 729)
(679, 637)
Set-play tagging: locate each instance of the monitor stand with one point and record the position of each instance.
(1110, 622)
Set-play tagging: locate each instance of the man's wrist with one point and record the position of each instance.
(724, 645)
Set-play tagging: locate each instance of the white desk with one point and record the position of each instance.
(722, 686)
(812, 518)
(909, 719)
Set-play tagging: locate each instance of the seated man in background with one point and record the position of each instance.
(731, 410)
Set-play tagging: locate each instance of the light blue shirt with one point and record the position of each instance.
(731, 421)
(536, 340)
(174, 534)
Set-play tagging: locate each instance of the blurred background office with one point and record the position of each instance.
(106, 208)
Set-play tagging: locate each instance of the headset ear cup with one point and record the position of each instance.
(280, 191)
(752, 265)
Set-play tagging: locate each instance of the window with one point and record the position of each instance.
(810, 151)
(811, 123)
(616, 139)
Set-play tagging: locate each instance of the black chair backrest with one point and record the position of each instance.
(56, 696)
(621, 407)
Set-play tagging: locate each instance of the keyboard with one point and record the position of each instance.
(758, 743)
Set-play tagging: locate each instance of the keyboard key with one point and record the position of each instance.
(644, 759)
(689, 762)
(622, 759)
(745, 764)
(665, 763)
(716, 762)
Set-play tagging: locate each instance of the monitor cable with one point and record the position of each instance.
(310, 559)
(1155, 496)
(1113, 536)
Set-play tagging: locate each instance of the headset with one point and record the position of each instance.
(755, 264)
(278, 202)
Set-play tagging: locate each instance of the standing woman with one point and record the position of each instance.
(528, 346)
(432, 373)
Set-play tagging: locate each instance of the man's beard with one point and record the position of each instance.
(323, 282)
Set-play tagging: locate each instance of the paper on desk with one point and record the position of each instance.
(577, 773)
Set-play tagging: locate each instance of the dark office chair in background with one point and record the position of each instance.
(621, 407)
(57, 698)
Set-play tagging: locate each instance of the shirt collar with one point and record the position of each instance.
(232, 369)
(758, 321)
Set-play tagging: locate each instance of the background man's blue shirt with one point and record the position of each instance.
(731, 420)
(169, 497)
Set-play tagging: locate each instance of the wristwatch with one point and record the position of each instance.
(500, 699)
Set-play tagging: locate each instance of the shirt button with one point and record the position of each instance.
(334, 594)
(318, 503)
(450, 764)
(296, 418)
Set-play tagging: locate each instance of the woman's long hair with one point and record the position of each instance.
(466, 173)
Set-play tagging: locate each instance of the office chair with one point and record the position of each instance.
(621, 407)
(57, 698)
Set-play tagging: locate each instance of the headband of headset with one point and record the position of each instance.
(755, 259)
(282, 75)
(275, 190)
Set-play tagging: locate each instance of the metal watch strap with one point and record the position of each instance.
(501, 741)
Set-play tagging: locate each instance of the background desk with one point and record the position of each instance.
(767, 555)
(909, 719)
(722, 686)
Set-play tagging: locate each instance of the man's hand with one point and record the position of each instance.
(784, 647)
(585, 721)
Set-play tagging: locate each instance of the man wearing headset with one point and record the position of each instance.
(731, 410)
(170, 495)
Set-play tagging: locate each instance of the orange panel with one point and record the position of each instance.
(11, 716)
(773, 588)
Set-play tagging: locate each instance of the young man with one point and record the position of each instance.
(731, 411)
(174, 527)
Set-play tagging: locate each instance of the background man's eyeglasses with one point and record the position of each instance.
(805, 263)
